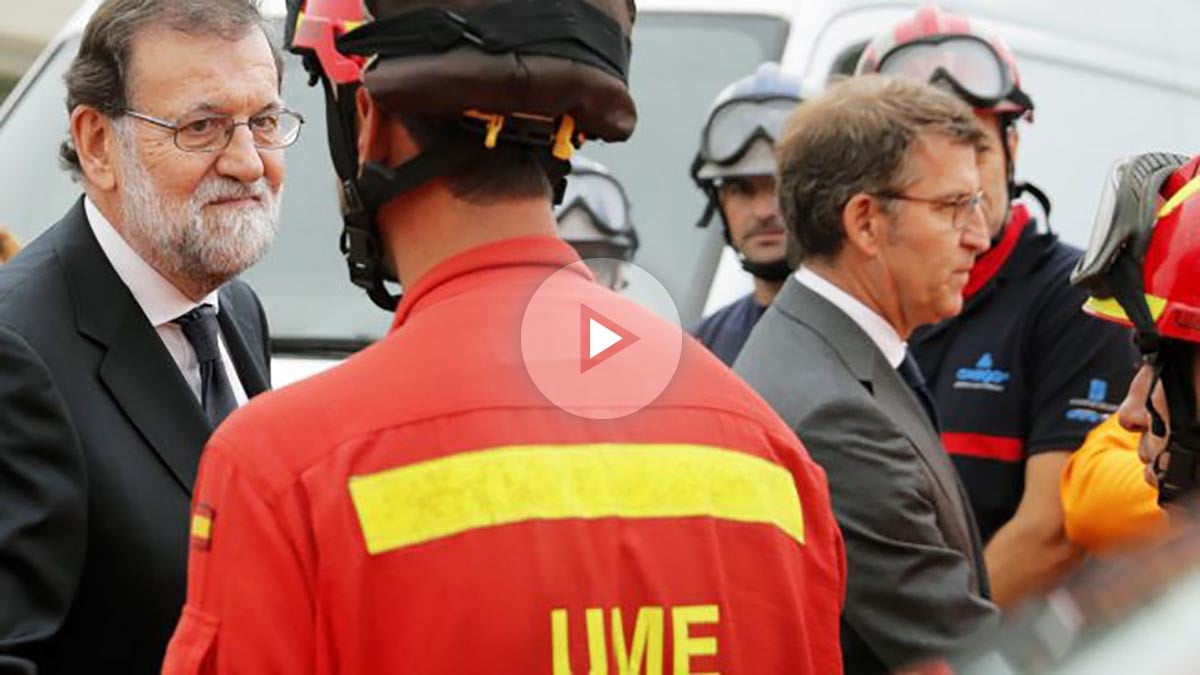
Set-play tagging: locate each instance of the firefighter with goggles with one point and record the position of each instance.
(735, 169)
(423, 507)
(1140, 271)
(593, 217)
(1020, 376)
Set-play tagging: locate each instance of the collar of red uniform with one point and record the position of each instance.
(547, 252)
(988, 264)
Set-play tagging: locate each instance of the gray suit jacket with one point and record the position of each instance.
(916, 585)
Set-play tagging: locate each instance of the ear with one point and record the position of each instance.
(371, 145)
(864, 224)
(1013, 138)
(381, 137)
(97, 145)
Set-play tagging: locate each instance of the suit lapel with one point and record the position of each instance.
(249, 370)
(864, 360)
(147, 384)
(895, 397)
(137, 370)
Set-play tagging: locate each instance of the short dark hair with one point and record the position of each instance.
(507, 171)
(99, 75)
(857, 138)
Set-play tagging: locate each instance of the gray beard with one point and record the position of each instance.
(183, 240)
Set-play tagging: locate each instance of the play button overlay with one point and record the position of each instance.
(600, 338)
(598, 354)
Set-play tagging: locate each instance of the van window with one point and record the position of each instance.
(1086, 118)
(680, 63)
(847, 61)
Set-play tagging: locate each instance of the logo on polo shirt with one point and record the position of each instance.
(1094, 408)
(983, 375)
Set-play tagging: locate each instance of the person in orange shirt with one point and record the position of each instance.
(1140, 272)
(8, 245)
(1107, 505)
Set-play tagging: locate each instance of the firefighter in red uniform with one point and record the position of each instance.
(423, 508)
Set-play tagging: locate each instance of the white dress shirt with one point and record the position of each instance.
(879, 330)
(160, 301)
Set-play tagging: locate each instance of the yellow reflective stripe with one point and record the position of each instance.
(414, 504)
(1111, 308)
(1180, 196)
(201, 526)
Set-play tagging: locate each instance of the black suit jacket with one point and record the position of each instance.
(100, 437)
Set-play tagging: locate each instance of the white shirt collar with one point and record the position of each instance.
(159, 299)
(879, 330)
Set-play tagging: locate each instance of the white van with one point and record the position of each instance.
(1109, 78)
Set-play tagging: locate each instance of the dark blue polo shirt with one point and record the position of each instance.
(725, 330)
(1021, 371)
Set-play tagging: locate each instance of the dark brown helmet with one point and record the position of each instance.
(551, 79)
(542, 73)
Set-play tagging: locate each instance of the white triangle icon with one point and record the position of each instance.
(600, 338)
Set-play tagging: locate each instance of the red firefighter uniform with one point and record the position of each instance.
(424, 509)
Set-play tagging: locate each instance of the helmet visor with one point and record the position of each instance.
(1125, 218)
(738, 122)
(603, 197)
(969, 64)
(1105, 241)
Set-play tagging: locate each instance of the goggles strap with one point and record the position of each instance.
(708, 187)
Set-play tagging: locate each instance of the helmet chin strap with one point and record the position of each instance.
(1180, 474)
(776, 270)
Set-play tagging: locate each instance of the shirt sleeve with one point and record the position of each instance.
(250, 607)
(1079, 367)
(1107, 504)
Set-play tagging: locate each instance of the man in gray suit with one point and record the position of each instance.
(881, 196)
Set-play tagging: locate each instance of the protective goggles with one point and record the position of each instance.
(603, 198)
(1125, 219)
(967, 64)
(737, 123)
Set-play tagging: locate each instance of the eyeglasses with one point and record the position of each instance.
(961, 208)
(212, 133)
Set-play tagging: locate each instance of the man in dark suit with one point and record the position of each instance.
(124, 338)
(880, 192)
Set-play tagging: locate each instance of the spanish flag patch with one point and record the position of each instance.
(202, 524)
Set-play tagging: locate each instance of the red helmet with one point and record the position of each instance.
(942, 48)
(1165, 245)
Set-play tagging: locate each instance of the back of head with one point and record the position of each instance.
(429, 93)
(496, 94)
(857, 138)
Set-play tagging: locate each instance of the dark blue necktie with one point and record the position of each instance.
(911, 373)
(201, 329)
